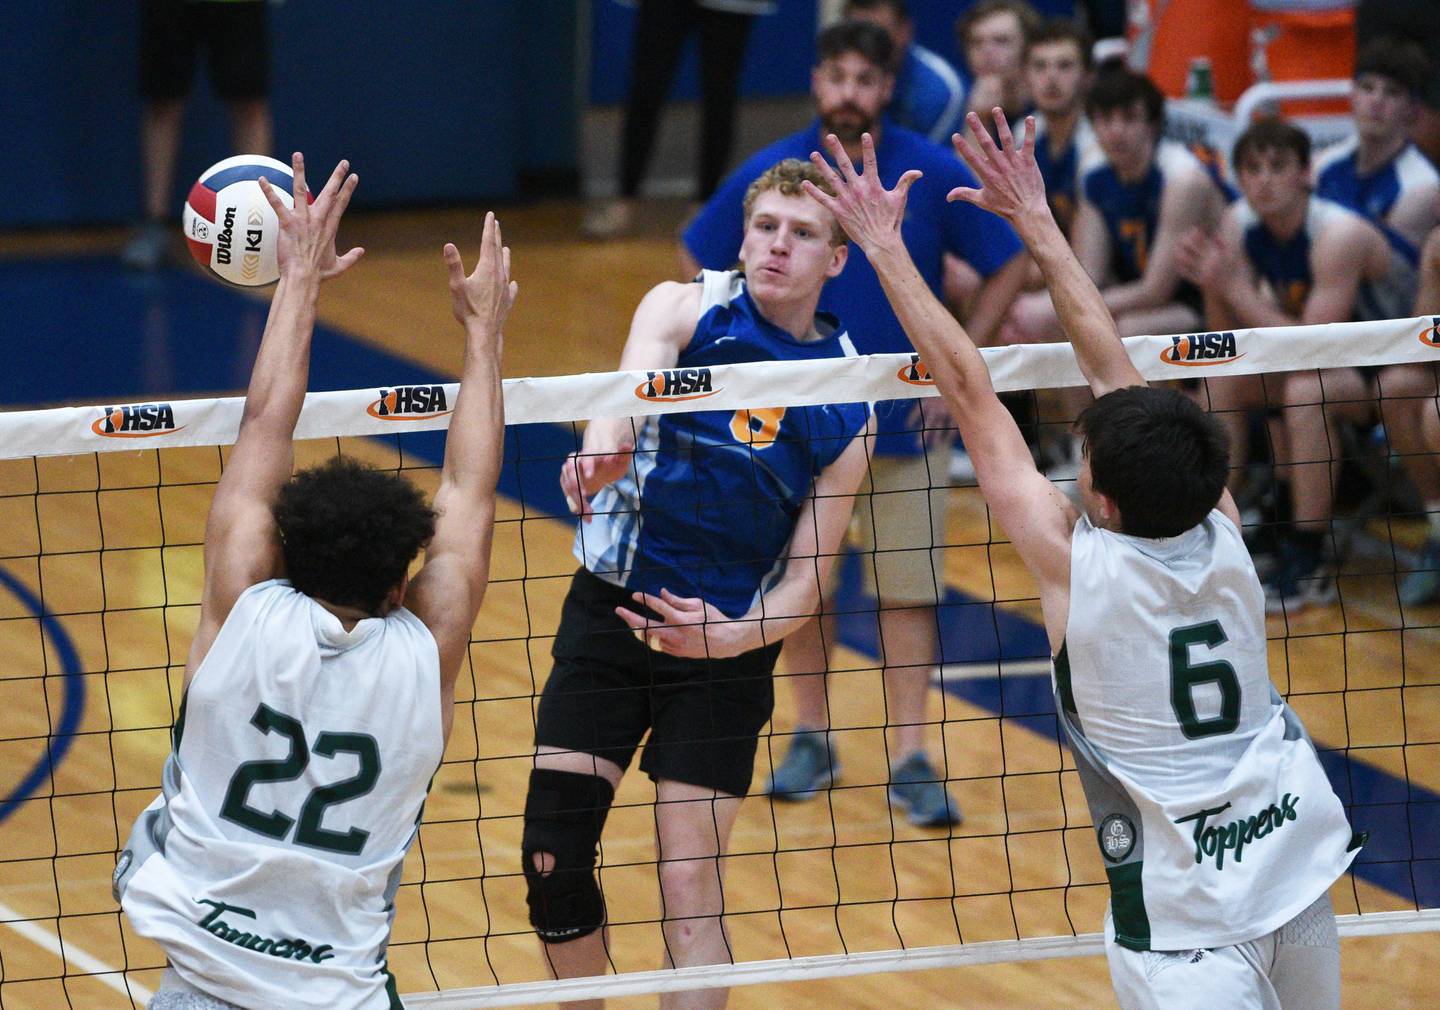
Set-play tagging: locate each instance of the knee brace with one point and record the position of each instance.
(564, 815)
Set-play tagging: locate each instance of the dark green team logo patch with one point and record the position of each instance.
(1117, 837)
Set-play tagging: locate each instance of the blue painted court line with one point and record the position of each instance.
(74, 708)
(187, 345)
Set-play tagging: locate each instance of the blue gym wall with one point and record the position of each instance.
(435, 101)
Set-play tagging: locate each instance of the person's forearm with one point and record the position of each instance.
(1078, 304)
(1249, 306)
(474, 446)
(282, 366)
(793, 601)
(996, 296)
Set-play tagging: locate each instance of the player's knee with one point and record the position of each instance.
(564, 815)
(691, 887)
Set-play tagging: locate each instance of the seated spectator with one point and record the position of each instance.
(1378, 172)
(929, 96)
(1136, 203)
(1057, 76)
(992, 36)
(1284, 257)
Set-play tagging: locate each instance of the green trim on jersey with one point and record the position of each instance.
(179, 730)
(1127, 905)
(391, 990)
(1062, 683)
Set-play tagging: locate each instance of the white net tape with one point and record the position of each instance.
(390, 411)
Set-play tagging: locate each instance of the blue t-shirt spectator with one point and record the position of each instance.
(929, 96)
(932, 227)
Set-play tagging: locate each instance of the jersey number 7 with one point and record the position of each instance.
(277, 825)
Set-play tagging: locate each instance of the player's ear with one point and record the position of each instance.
(838, 258)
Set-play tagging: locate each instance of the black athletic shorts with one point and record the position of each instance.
(232, 34)
(607, 689)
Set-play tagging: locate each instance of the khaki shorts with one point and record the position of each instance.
(898, 524)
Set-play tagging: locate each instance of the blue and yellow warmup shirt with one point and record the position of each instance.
(932, 227)
(713, 496)
(1286, 265)
(1132, 210)
(1338, 178)
(1062, 172)
(929, 96)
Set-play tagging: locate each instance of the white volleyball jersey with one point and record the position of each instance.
(267, 868)
(1213, 814)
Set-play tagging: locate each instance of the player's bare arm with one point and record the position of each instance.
(662, 325)
(696, 629)
(447, 592)
(1036, 515)
(1011, 187)
(242, 546)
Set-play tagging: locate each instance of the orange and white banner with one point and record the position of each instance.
(565, 398)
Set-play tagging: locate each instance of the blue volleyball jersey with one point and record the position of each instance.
(1132, 210)
(1062, 171)
(1338, 178)
(929, 97)
(1285, 265)
(711, 500)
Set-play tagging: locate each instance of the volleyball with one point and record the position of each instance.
(229, 225)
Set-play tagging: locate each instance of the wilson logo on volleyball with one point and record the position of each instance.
(675, 384)
(1430, 336)
(410, 403)
(915, 373)
(136, 420)
(1201, 349)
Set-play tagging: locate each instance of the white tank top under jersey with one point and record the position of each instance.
(267, 868)
(1215, 836)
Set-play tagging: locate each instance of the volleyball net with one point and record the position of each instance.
(102, 512)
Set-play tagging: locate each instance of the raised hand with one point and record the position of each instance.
(870, 214)
(688, 626)
(582, 475)
(1010, 182)
(486, 296)
(307, 231)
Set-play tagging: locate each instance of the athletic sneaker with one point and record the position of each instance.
(808, 767)
(1423, 584)
(148, 248)
(608, 219)
(918, 789)
(1303, 579)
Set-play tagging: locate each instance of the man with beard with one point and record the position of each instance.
(852, 84)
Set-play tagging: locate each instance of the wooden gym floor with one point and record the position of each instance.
(837, 874)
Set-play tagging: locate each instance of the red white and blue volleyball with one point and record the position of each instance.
(230, 226)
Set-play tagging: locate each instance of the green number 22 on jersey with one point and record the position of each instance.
(275, 824)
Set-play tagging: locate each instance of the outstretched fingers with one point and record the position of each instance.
(910, 178)
(842, 160)
(1002, 129)
(272, 197)
(298, 190)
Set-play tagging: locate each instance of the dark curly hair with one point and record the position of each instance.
(349, 531)
(1158, 456)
